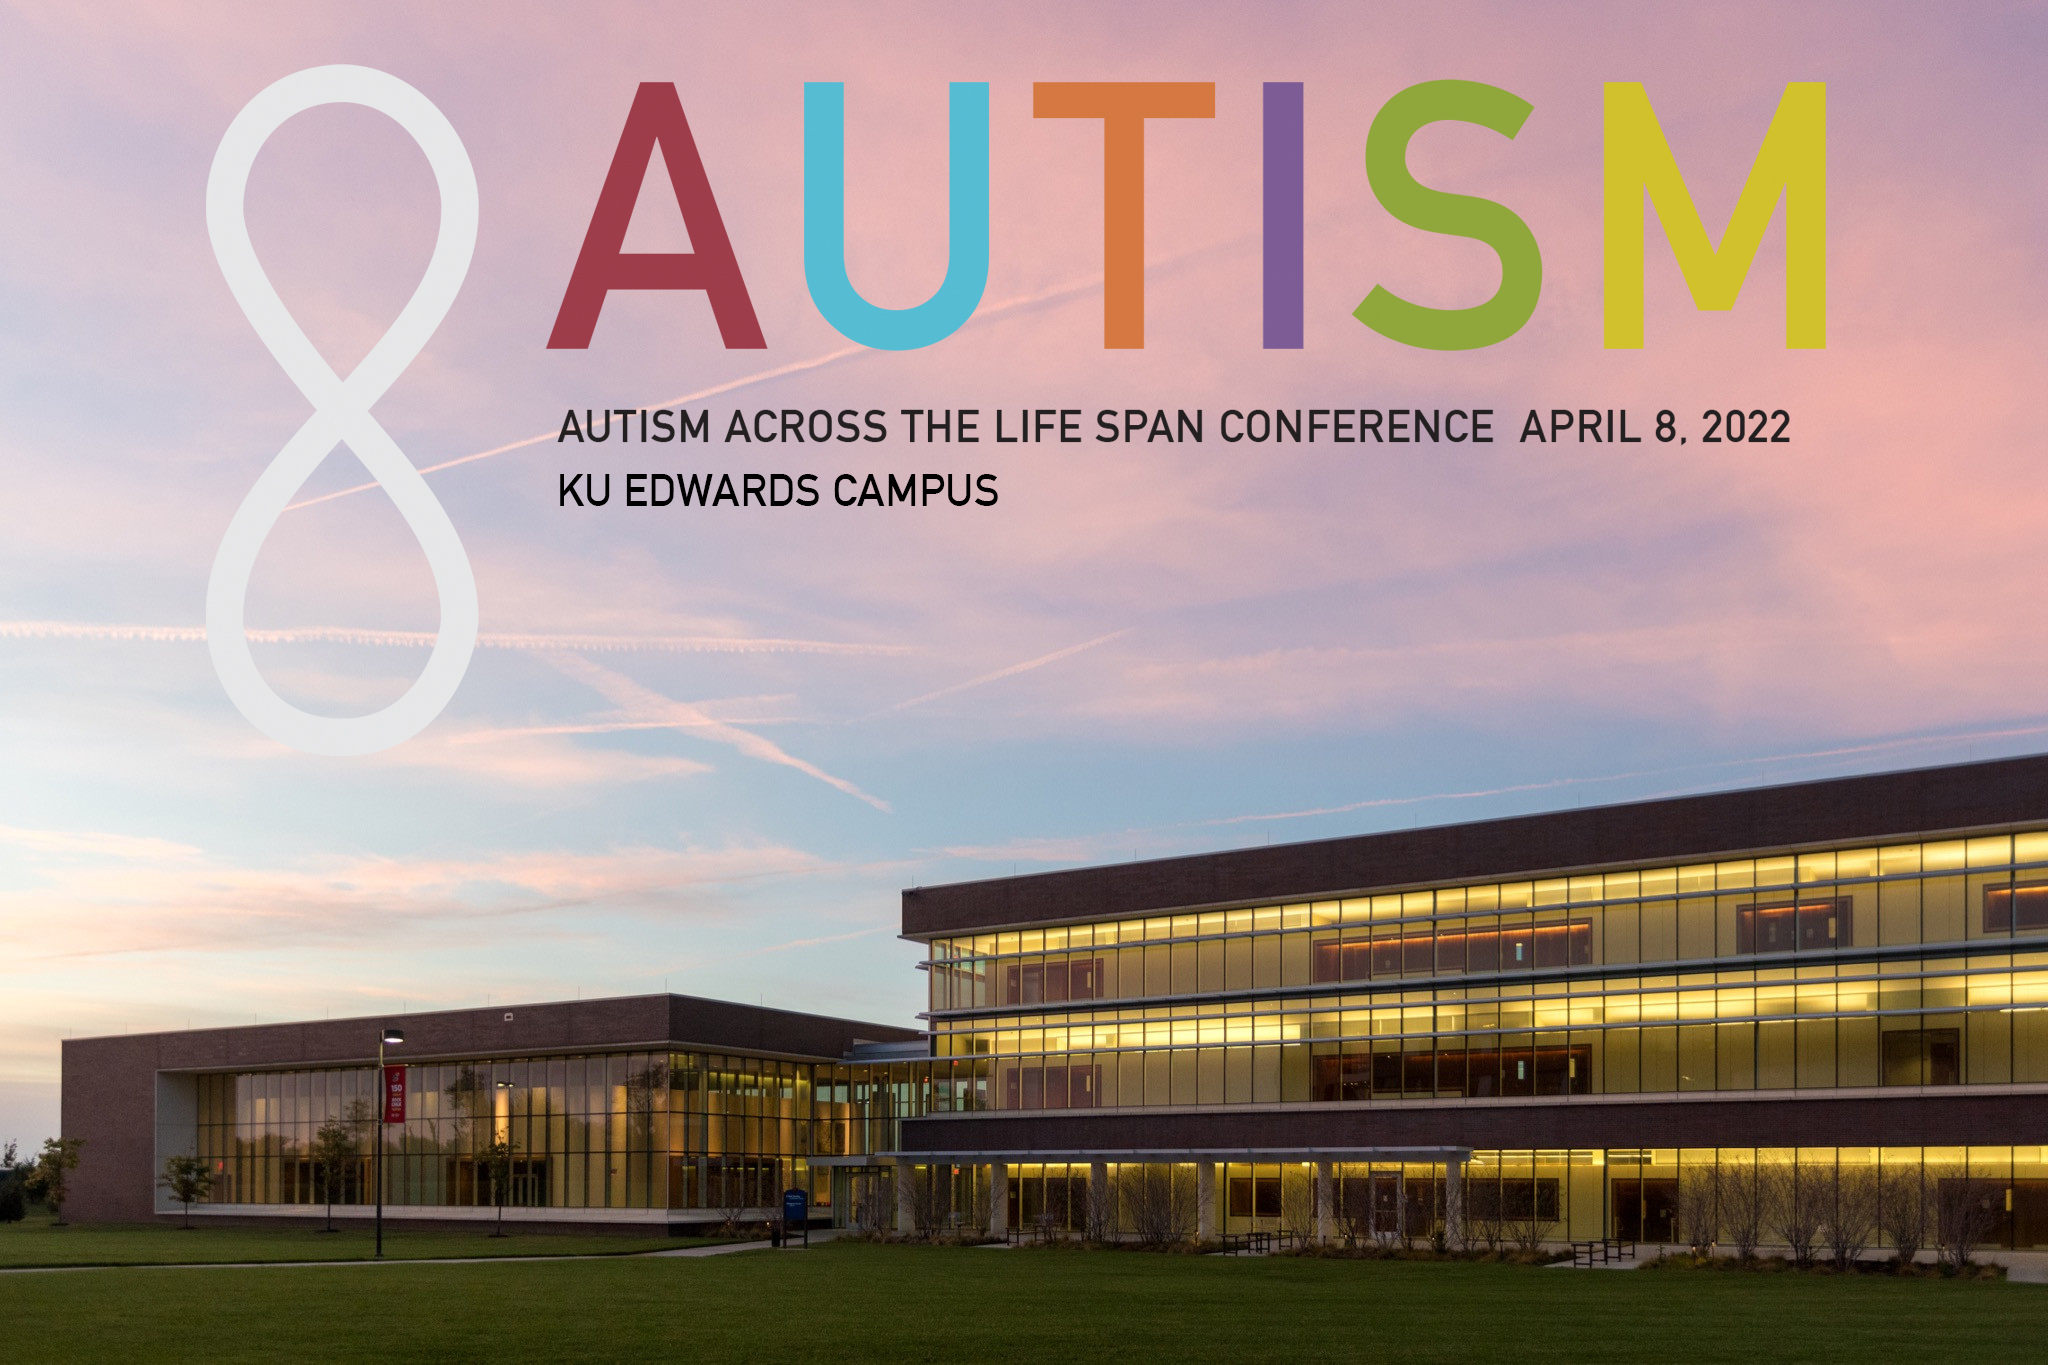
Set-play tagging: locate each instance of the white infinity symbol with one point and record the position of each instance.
(341, 411)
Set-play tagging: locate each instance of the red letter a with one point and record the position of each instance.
(656, 116)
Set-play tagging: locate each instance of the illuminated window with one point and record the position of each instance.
(2021, 908)
(1788, 926)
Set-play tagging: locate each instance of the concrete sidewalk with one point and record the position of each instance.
(818, 1235)
(718, 1250)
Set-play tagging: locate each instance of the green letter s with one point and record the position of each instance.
(1456, 215)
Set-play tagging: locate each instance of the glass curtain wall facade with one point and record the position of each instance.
(621, 1130)
(1991, 1196)
(1916, 964)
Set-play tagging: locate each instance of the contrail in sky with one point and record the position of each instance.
(1844, 751)
(817, 362)
(1052, 294)
(646, 704)
(1013, 670)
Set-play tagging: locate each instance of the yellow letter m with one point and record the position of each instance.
(1794, 158)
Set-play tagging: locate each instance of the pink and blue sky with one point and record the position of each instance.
(704, 750)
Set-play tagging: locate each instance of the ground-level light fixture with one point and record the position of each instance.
(390, 1037)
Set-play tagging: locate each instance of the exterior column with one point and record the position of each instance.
(998, 1198)
(1099, 1198)
(1326, 1183)
(1205, 1201)
(906, 1209)
(1454, 1202)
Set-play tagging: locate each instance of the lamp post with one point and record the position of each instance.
(390, 1037)
(501, 1158)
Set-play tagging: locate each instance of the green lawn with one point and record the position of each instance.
(908, 1304)
(35, 1242)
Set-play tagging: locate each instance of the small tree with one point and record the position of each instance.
(334, 1151)
(1297, 1203)
(734, 1192)
(496, 1160)
(1159, 1203)
(1744, 1200)
(874, 1202)
(13, 1205)
(50, 1176)
(981, 1201)
(1101, 1209)
(1797, 1198)
(1966, 1209)
(1904, 1209)
(1698, 1215)
(1851, 1217)
(1486, 1213)
(189, 1180)
(931, 1200)
(1354, 1209)
(1528, 1226)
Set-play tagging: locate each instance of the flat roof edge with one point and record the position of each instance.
(1955, 800)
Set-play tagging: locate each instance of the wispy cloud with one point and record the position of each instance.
(644, 703)
(424, 639)
(535, 761)
(96, 843)
(153, 896)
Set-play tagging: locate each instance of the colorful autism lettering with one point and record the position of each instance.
(1637, 162)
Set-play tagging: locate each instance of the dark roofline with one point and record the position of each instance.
(1983, 796)
(550, 1027)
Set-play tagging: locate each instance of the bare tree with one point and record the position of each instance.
(1354, 1210)
(931, 1201)
(1159, 1203)
(1904, 1208)
(1966, 1209)
(981, 1202)
(1528, 1225)
(1486, 1220)
(733, 1196)
(1742, 1191)
(1297, 1203)
(1101, 1210)
(1698, 1212)
(874, 1201)
(1851, 1218)
(1796, 1200)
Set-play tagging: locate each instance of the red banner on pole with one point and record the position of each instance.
(394, 1094)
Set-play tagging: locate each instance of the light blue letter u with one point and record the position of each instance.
(938, 317)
